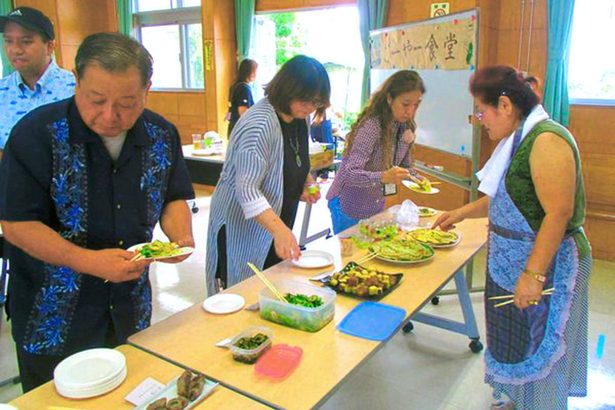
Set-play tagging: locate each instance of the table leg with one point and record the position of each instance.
(468, 327)
(303, 238)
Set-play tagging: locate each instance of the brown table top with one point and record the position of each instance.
(140, 365)
(189, 337)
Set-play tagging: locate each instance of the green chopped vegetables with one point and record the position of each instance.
(159, 249)
(304, 300)
(250, 343)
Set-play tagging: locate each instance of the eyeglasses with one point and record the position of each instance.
(316, 103)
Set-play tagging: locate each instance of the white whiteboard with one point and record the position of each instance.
(443, 117)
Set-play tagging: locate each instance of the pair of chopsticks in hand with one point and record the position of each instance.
(137, 257)
(263, 278)
(546, 292)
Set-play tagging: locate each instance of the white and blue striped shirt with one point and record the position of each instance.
(251, 182)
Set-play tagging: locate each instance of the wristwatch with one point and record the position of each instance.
(538, 276)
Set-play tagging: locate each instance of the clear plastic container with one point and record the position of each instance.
(298, 317)
(251, 355)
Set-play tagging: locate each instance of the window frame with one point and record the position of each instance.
(181, 17)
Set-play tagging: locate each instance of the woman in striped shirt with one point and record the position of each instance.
(265, 174)
(377, 153)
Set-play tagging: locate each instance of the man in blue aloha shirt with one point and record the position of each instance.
(82, 180)
(37, 80)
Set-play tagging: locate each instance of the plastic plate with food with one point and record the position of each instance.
(421, 189)
(426, 212)
(183, 392)
(403, 250)
(159, 250)
(359, 281)
(436, 238)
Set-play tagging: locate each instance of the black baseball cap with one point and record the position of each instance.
(31, 19)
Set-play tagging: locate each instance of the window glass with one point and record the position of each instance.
(195, 56)
(591, 73)
(149, 5)
(163, 44)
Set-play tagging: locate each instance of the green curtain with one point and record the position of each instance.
(244, 16)
(5, 7)
(556, 84)
(124, 14)
(372, 15)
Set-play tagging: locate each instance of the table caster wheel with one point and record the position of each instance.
(476, 346)
(408, 327)
(435, 300)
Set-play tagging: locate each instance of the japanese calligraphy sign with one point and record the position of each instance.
(446, 45)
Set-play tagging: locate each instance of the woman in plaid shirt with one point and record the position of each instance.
(377, 153)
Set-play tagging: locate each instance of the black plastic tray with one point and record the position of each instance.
(351, 265)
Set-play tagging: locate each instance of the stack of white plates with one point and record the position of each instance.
(90, 373)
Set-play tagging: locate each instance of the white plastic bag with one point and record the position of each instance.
(407, 215)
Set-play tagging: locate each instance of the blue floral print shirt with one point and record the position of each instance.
(57, 171)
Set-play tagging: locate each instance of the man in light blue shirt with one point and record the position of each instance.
(37, 80)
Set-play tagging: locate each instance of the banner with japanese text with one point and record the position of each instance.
(449, 45)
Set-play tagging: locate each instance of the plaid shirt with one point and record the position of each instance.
(358, 182)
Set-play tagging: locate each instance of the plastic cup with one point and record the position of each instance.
(196, 141)
(347, 246)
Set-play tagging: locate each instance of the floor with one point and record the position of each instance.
(426, 369)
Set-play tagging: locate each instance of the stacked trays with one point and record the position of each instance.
(90, 373)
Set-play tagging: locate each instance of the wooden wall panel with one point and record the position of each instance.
(48, 8)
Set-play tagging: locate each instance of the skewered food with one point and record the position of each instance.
(357, 280)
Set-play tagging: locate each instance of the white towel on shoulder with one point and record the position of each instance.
(493, 171)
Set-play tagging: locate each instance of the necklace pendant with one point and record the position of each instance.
(298, 160)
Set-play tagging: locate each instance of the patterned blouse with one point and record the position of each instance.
(358, 181)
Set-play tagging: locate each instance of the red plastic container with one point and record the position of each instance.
(279, 361)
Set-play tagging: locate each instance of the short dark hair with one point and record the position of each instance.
(490, 83)
(114, 52)
(245, 70)
(302, 78)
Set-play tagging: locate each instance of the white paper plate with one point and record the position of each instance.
(186, 250)
(92, 391)
(90, 373)
(223, 303)
(313, 259)
(413, 186)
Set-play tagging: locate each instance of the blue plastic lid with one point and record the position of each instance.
(373, 321)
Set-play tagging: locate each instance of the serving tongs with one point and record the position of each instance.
(267, 283)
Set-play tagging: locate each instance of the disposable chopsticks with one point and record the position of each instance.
(263, 278)
(546, 292)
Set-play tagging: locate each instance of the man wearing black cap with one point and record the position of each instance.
(37, 80)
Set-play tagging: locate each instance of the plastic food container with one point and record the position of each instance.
(279, 361)
(251, 355)
(298, 317)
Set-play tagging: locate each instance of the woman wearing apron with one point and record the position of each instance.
(536, 353)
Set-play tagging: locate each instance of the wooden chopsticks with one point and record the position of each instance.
(367, 257)
(546, 292)
(263, 278)
(137, 257)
